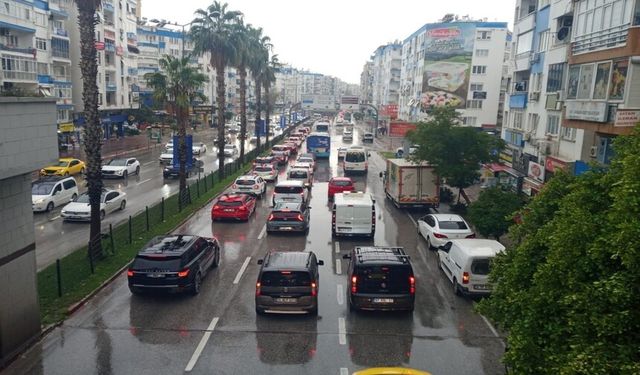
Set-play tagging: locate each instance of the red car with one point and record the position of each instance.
(234, 206)
(292, 146)
(340, 185)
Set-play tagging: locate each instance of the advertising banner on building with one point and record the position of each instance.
(400, 129)
(389, 110)
(447, 61)
(536, 172)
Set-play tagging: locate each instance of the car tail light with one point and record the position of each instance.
(271, 217)
(465, 277)
(255, 186)
(257, 289)
(183, 273)
(412, 285)
(314, 290)
(216, 207)
(300, 218)
(333, 218)
(354, 284)
(243, 208)
(439, 235)
(472, 235)
(234, 186)
(129, 273)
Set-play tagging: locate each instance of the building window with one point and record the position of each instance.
(476, 87)
(553, 124)
(482, 52)
(474, 104)
(43, 69)
(533, 122)
(479, 69)
(517, 119)
(470, 121)
(60, 48)
(27, 14)
(569, 134)
(524, 42)
(483, 35)
(555, 77)
(41, 44)
(40, 19)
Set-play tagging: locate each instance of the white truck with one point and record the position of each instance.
(411, 184)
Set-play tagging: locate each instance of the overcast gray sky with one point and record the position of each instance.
(336, 37)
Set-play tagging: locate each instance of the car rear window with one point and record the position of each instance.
(263, 169)
(453, 225)
(230, 203)
(355, 157)
(288, 189)
(245, 182)
(280, 148)
(285, 278)
(146, 263)
(298, 174)
(383, 279)
(481, 266)
(341, 183)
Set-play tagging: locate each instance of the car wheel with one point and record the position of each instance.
(102, 213)
(216, 260)
(125, 174)
(456, 288)
(50, 206)
(138, 171)
(74, 196)
(197, 282)
(123, 204)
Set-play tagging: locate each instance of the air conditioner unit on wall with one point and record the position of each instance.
(593, 151)
(527, 137)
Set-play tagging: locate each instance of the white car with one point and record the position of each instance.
(169, 147)
(296, 140)
(230, 150)
(80, 209)
(342, 152)
(438, 229)
(267, 171)
(199, 148)
(121, 168)
(166, 158)
(367, 137)
(250, 184)
(307, 159)
(303, 165)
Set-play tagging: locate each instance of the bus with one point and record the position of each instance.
(319, 144)
(321, 127)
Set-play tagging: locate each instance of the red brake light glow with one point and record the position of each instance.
(412, 285)
(354, 284)
(183, 273)
(300, 218)
(285, 272)
(129, 273)
(314, 290)
(270, 217)
(439, 235)
(465, 277)
(257, 289)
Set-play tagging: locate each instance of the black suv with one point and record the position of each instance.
(174, 263)
(288, 281)
(380, 278)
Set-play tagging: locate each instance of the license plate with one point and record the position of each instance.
(344, 229)
(155, 275)
(320, 150)
(228, 210)
(482, 287)
(383, 300)
(285, 300)
(286, 228)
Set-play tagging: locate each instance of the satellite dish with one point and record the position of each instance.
(563, 33)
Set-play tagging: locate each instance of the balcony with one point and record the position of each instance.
(60, 32)
(132, 71)
(107, 6)
(27, 51)
(609, 38)
(13, 75)
(518, 100)
(62, 78)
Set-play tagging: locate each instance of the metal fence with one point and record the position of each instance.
(136, 228)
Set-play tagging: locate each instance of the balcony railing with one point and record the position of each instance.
(12, 75)
(608, 38)
(28, 50)
(60, 32)
(62, 78)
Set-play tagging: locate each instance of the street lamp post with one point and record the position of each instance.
(375, 110)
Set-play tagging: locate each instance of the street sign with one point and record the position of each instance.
(202, 109)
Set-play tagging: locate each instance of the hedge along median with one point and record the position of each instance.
(123, 242)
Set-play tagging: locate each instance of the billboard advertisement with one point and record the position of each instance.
(389, 110)
(447, 64)
(400, 129)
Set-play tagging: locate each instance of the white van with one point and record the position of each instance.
(290, 191)
(50, 192)
(353, 214)
(300, 174)
(467, 262)
(355, 160)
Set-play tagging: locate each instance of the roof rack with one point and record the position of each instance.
(375, 253)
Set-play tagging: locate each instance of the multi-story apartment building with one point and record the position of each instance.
(386, 64)
(366, 83)
(459, 63)
(34, 47)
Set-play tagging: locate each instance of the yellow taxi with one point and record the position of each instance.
(391, 371)
(65, 167)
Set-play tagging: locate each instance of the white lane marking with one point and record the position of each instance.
(244, 267)
(344, 371)
(149, 163)
(262, 232)
(342, 332)
(340, 295)
(201, 345)
(338, 267)
(412, 220)
(143, 181)
(493, 330)
(337, 247)
(54, 218)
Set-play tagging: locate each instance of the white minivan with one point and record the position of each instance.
(353, 214)
(355, 160)
(50, 192)
(467, 262)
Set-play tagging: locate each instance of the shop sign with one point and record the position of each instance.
(587, 111)
(552, 164)
(627, 117)
(536, 172)
(66, 127)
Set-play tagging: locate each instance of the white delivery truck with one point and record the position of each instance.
(411, 184)
(353, 214)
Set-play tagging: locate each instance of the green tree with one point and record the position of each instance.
(211, 32)
(268, 79)
(240, 38)
(568, 292)
(259, 46)
(456, 152)
(178, 84)
(492, 213)
(93, 129)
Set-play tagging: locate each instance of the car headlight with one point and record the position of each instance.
(120, 172)
(39, 201)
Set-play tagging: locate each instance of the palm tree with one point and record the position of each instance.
(259, 46)
(93, 130)
(240, 38)
(269, 78)
(178, 83)
(211, 32)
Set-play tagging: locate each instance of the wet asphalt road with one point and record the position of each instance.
(218, 332)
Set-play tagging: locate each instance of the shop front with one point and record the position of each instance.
(496, 174)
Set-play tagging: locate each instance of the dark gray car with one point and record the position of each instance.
(289, 217)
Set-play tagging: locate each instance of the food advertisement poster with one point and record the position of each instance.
(447, 62)
(618, 79)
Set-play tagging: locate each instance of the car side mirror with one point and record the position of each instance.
(368, 154)
(346, 256)
(321, 262)
(380, 174)
(446, 247)
(260, 261)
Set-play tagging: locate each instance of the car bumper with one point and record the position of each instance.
(302, 304)
(112, 175)
(74, 217)
(470, 292)
(368, 302)
(242, 191)
(229, 216)
(284, 226)
(37, 207)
